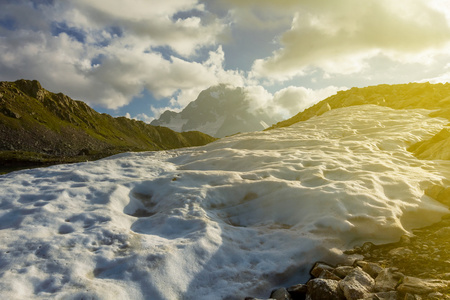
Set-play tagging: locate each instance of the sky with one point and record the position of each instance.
(137, 58)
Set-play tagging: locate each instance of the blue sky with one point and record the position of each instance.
(140, 57)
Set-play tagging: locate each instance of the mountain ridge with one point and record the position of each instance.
(39, 126)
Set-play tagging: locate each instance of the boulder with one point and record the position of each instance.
(392, 295)
(319, 268)
(373, 269)
(415, 285)
(386, 281)
(400, 252)
(298, 291)
(343, 271)
(322, 289)
(280, 294)
(357, 285)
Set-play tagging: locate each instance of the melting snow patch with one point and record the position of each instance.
(224, 220)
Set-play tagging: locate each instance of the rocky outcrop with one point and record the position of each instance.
(39, 126)
(416, 267)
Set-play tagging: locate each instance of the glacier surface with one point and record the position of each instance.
(234, 218)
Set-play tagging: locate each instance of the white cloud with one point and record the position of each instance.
(107, 56)
(294, 99)
(141, 117)
(443, 78)
(144, 117)
(157, 111)
(259, 98)
(339, 37)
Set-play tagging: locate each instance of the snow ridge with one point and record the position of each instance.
(220, 221)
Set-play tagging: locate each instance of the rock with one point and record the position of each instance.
(10, 113)
(367, 246)
(392, 295)
(436, 295)
(280, 294)
(343, 271)
(328, 275)
(422, 286)
(370, 268)
(321, 289)
(386, 281)
(298, 291)
(356, 285)
(400, 252)
(405, 239)
(319, 268)
(409, 296)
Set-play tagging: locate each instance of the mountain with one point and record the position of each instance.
(234, 218)
(435, 97)
(219, 111)
(39, 126)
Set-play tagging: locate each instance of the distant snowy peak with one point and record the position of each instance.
(219, 111)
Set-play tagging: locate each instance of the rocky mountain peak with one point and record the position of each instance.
(30, 87)
(219, 111)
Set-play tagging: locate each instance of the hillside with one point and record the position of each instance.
(219, 111)
(40, 126)
(434, 97)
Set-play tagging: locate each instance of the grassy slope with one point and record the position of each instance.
(37, 126)
(435, 97)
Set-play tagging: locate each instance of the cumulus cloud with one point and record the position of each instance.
(105, 52)
(340, 36)
(294, 99)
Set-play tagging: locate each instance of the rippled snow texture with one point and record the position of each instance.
(227, 220)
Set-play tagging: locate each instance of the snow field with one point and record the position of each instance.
(223, 221)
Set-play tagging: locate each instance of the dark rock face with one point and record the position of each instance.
(37, 125)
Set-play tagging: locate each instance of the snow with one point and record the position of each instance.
(227, 220)
(176, 123)
(211, 128)
(216, 94)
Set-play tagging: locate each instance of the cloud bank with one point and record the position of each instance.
(108, 52)
(340, 37)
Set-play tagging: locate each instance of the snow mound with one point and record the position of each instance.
(222, 221)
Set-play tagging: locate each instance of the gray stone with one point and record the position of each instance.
(370, 268)
(392, 295)
(280, 294)
(298, 291)
(400, 252)
(319, 268)
(422, 286)
(409, 296)
(343, 271)
(322, 289)
(386, 281)
(356, 285)
(328, 275)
